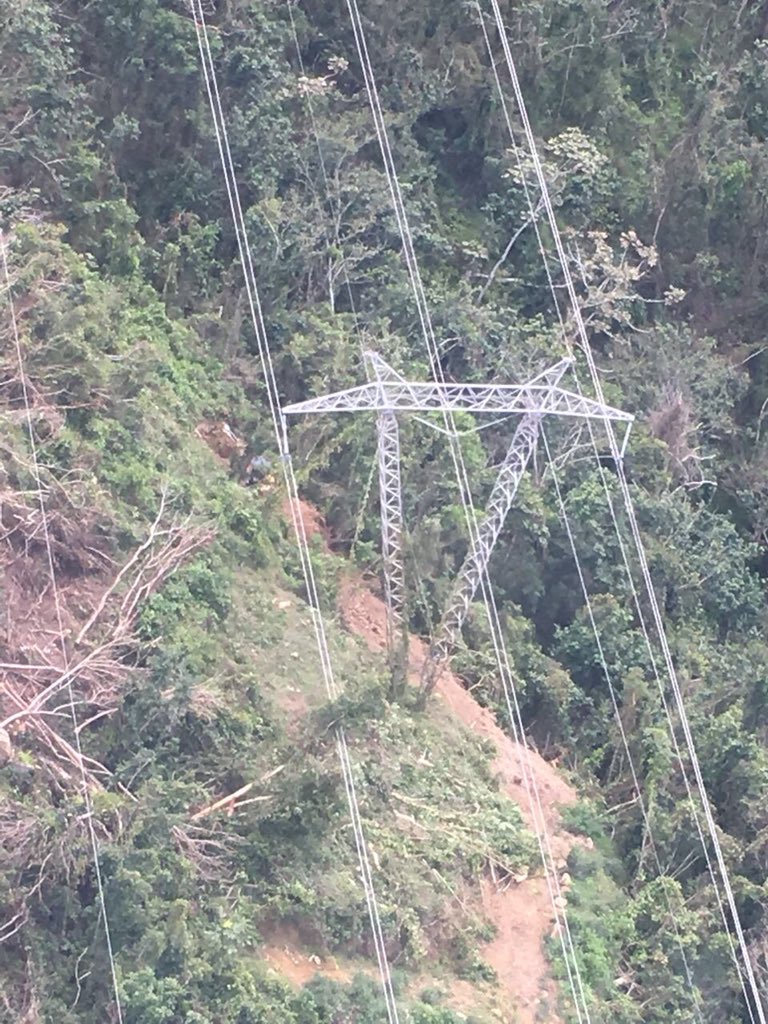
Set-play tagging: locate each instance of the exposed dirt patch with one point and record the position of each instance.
(522, 913)
(471, 998)
(289, 952)
(364, 614)
(299, 968)
(298, 958)
(314, 526)
(295, 707)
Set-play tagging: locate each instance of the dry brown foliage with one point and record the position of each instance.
(73, 639)
(67, 648)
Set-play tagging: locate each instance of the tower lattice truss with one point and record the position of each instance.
(389, 395)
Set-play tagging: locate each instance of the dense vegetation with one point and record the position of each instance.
(652, 117)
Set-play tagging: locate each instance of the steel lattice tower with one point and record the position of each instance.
(389, 394)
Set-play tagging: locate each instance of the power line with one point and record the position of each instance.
(394, 187)
(85, 788)
(500, 654)
(280, 432)
(533, 215)
(397, 626)
(617, 713)
(751, 980)
(617, 530)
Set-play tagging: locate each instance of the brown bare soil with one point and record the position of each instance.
(299, 968)
(521, 912)
(289, 953)
(312, 520)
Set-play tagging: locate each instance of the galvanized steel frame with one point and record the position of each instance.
(388, 394)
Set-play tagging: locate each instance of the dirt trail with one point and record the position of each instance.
(522, 913)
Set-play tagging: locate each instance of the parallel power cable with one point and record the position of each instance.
(281, 439)
(748, 969)
(503, 664)
(617, 529)
(339, 247)
(644, 813)
(642, 622)
(533, 210)
(423, 599)
(85, 788)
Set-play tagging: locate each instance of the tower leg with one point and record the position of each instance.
(391, 500)
(471, 573)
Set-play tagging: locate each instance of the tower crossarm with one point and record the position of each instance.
(405, 396)
(387, 394)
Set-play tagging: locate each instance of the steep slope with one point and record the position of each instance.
(520, 910)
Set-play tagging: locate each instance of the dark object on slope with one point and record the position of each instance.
(256, 470)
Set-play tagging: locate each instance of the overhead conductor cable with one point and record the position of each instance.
(501, 655)
(84, 785)
(278, 424)
(746, 973)
(533, 210)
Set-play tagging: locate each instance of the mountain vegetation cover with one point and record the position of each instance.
(171, 613)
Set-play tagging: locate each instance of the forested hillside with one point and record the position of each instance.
(157, 650)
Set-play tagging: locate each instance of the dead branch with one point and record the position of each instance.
(207, 851)
(98, 669)
(32, 845)
(91, 676)
(56, 743)
(232, 800)
(133, 561)
(227, 801)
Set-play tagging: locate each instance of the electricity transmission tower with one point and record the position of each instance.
(388, 394)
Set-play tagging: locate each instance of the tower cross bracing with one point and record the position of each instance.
(388, 394)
